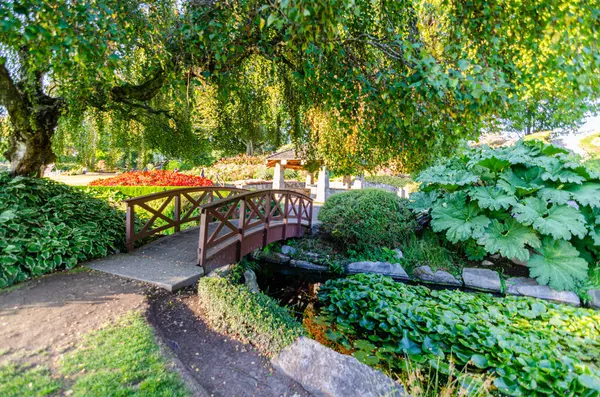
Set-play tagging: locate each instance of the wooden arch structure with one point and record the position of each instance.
(232, 222)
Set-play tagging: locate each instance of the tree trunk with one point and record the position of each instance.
(34, 117)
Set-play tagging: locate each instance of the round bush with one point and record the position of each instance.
(362, 219)
(46, 226)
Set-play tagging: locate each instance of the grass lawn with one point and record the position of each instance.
(122, 359)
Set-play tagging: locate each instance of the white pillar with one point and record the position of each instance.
(278, 181)
(323, 185)
(359, 182)
(310, 178)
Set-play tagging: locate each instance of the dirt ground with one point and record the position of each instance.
(45, 318)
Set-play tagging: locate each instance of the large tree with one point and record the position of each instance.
(364, 82)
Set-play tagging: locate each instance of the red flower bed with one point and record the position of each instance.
(153, 178)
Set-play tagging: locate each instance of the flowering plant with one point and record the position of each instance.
(153, 178)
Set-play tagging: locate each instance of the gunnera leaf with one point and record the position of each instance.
(557, 264)
(460, 220)
(422, 201)
(563, 222)
(509, 239)
(554, 195)
(521, 181)
(492, 197)
(557, 173)
(530, 210)
(586, 194)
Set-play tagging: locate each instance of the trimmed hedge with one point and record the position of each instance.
(252, 318)
(45, 226)
(360, 220)
(530, 347)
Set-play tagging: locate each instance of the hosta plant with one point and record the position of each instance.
(531, 202)
(45, 226)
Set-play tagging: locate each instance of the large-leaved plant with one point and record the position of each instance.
(532, 202)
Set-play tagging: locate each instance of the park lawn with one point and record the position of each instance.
(118, 360)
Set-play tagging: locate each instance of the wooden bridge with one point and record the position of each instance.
(230, 222)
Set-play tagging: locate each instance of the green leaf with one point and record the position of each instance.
(479, 361)
(494, 164)
(554, 195)
(492, 197)
(521, 183)
(590, 381)
(422, 201)
(557, 173)
(586, 194)
(562, 222)
(460, 220)
(532, 209)
(509, 239)
(557, 264)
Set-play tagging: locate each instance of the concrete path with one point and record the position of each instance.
(169, 262)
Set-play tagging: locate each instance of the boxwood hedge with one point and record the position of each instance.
(45, 225)
(530, 347)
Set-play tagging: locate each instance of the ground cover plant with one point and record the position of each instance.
(530, 347)
(532, 202)
(360, 220)
(252, 318)
(45, 225)
(153, 178)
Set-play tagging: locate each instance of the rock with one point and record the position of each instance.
(393, 270)
(424, 273)
(220, 271)
(487, 263)
(274, 257)
(313, 256)
(287, 250)
(308, 265)
(250, 281)
(399, 253)
(594, 298)
(481, 279)
(495, 256)
(523, 286)
(518, 262)
(324, 372)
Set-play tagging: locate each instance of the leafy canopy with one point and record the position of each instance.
(532, 202)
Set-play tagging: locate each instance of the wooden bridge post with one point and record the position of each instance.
(268, 199)
(241, 221)
(203, 238)
(129, 227)
(286, 212)
(177, 214)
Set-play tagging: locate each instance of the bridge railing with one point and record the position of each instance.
(170, 210)
(234, 227)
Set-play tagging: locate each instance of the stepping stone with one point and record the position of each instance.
(424, 273)
(594, 298)
(393, 270)
(308, 265)
(481, 279)
(523, 286)
(325, 372)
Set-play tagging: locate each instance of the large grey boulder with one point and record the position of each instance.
(250, 281)
(523, 286)
(594, 298)
(393, 270)
(481, 279)
(424, 273)
(274, 257)
(308, 265)
(287, 250)
(324, 372)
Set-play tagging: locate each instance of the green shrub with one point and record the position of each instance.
(252, 318)
(360, 220)
(532, 202)
(431, 250)
(530, 347)
(396, 181)
(45, 225)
